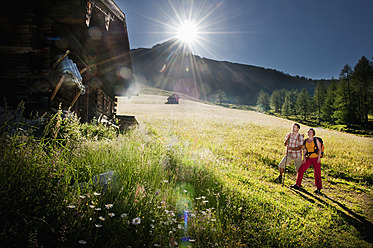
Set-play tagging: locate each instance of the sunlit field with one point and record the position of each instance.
(239, 151)
(189, 175)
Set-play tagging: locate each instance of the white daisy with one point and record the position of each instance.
(108, 206)
(136, 221)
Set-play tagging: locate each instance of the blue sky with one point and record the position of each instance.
(314, 39)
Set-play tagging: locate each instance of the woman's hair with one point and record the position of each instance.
(313, 131)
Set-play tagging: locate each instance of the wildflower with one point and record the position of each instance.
(213, 219)
(101, 218)
(179, 226)
(82, 242)
(82, 196)
(98, 209)
(192, 215)
(157, 245)
(98, 225)
(123, 215)
(111, 214)
(170, 232)
(136, 221)
(71, 206)
(203, 197)
(108, 206)
(96, 194)
(205, 201)
(198, 198)
(157, 192)
(185, 191)
(165, 181)
(92, 206)
(152, 226)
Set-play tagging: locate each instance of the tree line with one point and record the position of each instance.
(347, 100)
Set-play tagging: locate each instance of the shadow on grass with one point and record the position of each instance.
(363, 226)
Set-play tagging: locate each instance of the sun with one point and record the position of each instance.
(187, 32)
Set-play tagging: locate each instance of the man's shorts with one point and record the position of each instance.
(297, 162)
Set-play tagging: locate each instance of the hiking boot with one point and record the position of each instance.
(279, 178)
(317, 191)
(295, 187)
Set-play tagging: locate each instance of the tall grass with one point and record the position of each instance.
(189, 180)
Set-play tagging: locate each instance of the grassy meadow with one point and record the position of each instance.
(190, 175)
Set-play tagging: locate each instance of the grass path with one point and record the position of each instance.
(347, 186)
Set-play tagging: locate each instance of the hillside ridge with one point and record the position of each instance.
(172, 66)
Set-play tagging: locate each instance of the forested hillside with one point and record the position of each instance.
(345, 101)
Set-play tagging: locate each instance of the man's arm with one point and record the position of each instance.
(295, 148)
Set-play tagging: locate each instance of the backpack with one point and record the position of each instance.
(316, 150)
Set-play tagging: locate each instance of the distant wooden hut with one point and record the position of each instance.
(70, 52)
(173, 99)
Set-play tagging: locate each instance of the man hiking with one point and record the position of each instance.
(293, 143)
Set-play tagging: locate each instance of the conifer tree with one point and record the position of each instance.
(276, 100)
(293, 101)
(221, 96)
(263, 101)
(362, 78)
(286, 107)
(328, 107)
(304, 105)
(344, 105)
(319, 96)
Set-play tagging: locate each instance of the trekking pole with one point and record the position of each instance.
(286, 160)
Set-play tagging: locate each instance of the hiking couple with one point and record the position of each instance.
(295, 144)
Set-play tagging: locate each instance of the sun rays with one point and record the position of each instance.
(186, 28)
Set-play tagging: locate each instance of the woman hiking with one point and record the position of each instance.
(312, 156)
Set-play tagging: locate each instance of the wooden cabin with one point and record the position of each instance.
(173, 99)
(70, 52)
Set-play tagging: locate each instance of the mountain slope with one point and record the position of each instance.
(172, 66)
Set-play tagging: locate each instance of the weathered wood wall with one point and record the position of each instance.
(36, 34)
